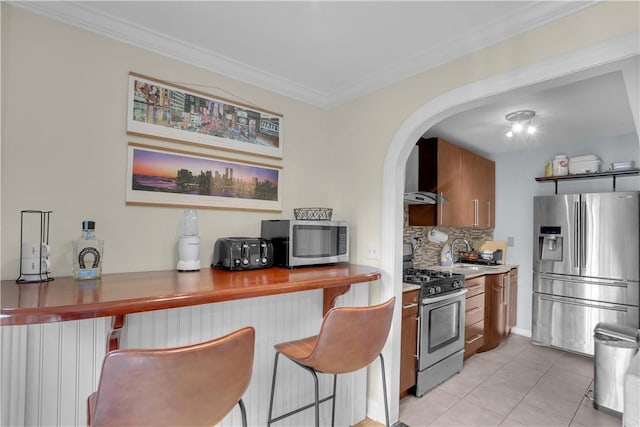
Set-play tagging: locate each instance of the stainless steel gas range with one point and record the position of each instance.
(440, 325)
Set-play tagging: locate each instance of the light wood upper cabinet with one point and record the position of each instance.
(483, 191)
(465, 179)
(454, 183)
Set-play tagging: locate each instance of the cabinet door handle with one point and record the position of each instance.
(473, 310)
(475, 212)
(489, 217)
(473, 339)
(441, 209)
(415, 304)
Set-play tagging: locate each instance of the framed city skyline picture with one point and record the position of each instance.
(166, 177)
(176, 113)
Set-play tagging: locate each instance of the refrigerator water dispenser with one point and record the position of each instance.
(550, 243)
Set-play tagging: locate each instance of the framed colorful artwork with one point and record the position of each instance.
(167, 177)
(172, 112)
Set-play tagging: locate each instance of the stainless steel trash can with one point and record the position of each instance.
(615, 346)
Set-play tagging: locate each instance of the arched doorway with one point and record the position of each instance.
(436, 110)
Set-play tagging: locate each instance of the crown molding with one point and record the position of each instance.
(475, 39)
(82, 15)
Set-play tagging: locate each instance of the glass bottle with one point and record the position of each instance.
(87, 253)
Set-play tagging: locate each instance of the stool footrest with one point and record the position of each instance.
(295, 411)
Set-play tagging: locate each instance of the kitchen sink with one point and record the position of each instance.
(476, 267)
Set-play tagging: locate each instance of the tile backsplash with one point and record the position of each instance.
(426, 253)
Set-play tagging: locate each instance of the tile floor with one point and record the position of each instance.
(517, 384)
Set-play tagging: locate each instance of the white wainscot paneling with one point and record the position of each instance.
(49, 370)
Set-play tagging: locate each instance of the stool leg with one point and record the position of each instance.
(333, 396)
(243, 411)
(273, 387)
(315, 380)
(384, 390)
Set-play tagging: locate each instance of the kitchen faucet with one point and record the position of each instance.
(453, 242)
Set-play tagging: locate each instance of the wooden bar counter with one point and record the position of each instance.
(123, 293)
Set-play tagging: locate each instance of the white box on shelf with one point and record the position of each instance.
(584, 164)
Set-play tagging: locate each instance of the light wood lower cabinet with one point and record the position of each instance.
(409, 342)
(500, 307)
(474, 316)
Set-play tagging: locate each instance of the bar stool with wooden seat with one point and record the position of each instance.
(194, 385)
(350, 338)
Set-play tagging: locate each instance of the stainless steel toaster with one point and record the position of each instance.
(242, 253)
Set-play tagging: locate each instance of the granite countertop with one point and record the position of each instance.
(474, 270)
(406, 287)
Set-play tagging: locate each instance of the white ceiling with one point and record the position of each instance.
(330, 52)
(583, 107)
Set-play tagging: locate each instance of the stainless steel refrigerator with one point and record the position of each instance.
(586, 257)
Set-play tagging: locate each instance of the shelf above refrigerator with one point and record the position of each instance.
(606, 174)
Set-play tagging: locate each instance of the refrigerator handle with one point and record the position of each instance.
(576, 235)
(570, 301)
(583, 235)
(582, 280)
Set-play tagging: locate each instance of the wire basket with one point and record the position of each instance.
(313, 214)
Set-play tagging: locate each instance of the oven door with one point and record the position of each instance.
(442, 327)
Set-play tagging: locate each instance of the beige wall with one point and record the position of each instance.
(64, 146)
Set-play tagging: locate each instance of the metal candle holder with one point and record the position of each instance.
(44, 238)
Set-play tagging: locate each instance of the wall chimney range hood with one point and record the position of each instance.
(423, 198)
(412, 195)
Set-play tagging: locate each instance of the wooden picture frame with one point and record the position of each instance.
(167, 177)
(177, 113)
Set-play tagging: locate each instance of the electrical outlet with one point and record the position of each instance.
(511, 241)
(372, 251)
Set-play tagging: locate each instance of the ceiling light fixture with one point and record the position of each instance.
(519, 121)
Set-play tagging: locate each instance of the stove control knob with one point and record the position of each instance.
(438, 289)
(432, 291)
(455, 285)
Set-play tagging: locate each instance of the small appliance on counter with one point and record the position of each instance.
(486, 257)
(445, 255)
(298, 243)
(189, 243)
(242, 253)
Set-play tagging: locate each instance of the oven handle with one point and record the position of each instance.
(431, 300)
(418, 335)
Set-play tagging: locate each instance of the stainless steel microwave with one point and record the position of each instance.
(299, 243)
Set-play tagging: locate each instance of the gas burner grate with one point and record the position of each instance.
(433, 282)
